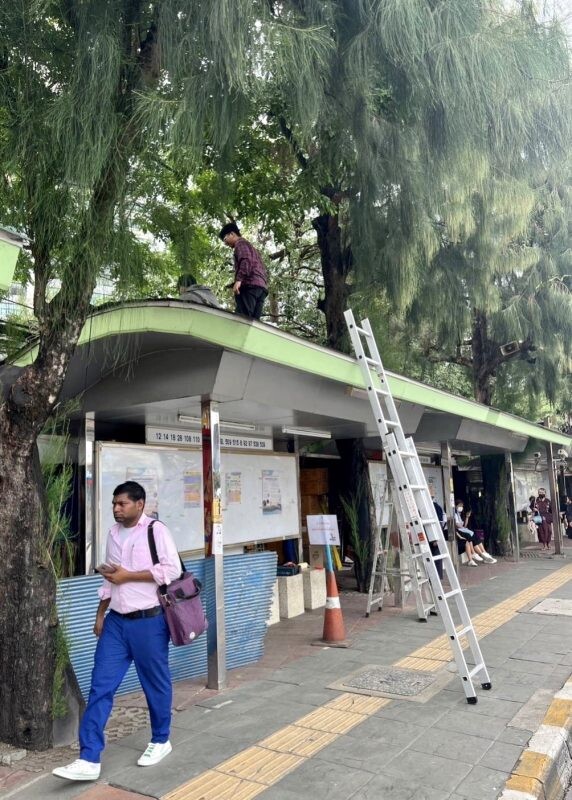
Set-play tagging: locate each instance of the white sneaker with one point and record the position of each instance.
(79, 770)
(489, 559)
(154, 753)
(472, 563)
(477, 557)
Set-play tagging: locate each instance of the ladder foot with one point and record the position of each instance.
(434, 613)
(367, 613)
(472, 701)
(422, 619)
(487, 685)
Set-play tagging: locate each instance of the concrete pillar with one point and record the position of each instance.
(87, 456)
(212, 494)
(511, 494)
(449, 499)
(555, 498)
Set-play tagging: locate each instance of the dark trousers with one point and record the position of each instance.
(250, 301)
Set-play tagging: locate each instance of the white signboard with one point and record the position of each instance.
(181, 437)
(323, 529)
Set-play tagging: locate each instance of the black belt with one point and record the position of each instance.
(147, 612)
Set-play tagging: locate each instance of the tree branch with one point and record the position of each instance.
(288, 134)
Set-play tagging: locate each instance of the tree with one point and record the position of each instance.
(85, 90)
(422, 100)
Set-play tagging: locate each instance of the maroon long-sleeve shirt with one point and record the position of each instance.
(248, 266)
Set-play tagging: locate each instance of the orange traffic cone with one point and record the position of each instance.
(334, 630)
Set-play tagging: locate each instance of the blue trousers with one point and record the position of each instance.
(123, 641)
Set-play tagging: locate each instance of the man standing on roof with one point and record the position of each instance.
(250, 285)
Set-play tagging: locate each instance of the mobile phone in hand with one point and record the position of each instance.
(103, 568)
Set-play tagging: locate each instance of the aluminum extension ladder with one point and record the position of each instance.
(413, 497)
(410, 570)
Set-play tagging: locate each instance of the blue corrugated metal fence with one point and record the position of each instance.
(248, 582)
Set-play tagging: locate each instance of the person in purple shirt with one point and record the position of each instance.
(131, 628)
(250, 285)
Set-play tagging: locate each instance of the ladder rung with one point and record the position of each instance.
(417, 487)
(463, 631)
(372, 361)
(383, 392)
(426, 521)
(451, 594)
(422, 582)
(440, 557)
(391, 423)
(363, 332)
(477, 669)
(406, 454)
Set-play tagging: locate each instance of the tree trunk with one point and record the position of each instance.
(358, 489)
(336, 263)
(496, 512)
(485, 359)
(27, 611)
(28, 614)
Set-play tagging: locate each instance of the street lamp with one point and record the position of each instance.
(11, 243)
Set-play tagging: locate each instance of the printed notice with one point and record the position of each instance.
(192, 488)
(217, 539)
(323, 529)
(271, 493)
(233, 482)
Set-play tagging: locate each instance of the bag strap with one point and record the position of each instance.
(155, 557)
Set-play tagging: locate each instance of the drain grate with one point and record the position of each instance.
(391, 681)
(384, 681)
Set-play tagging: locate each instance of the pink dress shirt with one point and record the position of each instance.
(133, 554)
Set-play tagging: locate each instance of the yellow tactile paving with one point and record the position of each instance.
(260, 765)
(330, 720)
(422, 664)
(358, 703)
(255, 769)
(212, 785)
(300, 741)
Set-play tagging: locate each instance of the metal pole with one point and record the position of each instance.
(90, 537)
(449, 500)
(512, 505)
(212, 491)
(555, 498)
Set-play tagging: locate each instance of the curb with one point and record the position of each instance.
(544, 769)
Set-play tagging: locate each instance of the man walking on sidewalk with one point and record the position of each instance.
(134, 630)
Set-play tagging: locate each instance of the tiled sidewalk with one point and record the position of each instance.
(280, 733)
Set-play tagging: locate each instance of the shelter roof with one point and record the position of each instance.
(146, 362)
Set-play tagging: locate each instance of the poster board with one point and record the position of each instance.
(259, 492)
(377, 475)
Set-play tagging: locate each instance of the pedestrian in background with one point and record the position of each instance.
(543, 519)
(133, 630)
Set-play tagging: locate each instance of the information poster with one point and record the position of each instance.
(271, 493)
(192, 488)
(233, 481)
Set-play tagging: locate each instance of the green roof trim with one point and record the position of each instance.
(264, 341)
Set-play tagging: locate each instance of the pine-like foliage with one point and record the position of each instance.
(441, 125)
